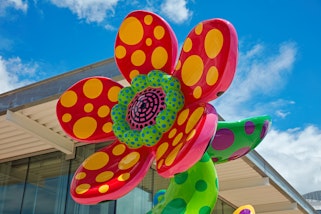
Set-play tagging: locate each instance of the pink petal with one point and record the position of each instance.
(110, 173)
(145, 42)
(208, 60)
(185, 143)
(84, 109)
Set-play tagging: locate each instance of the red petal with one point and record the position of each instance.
(183, 145)
(145, 42)
(110, 173)
(208, 60)
(84, 109)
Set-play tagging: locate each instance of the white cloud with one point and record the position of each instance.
(296, 155)
(176, 10)
(5, 43)
(14, 73)
(90, 10)
(110, 27)
(258, 73)
(15, 4)
(282, 114)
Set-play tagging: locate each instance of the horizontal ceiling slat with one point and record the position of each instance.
(6, 127)
(42, 133)
(18, 137)
(21, 147)
(30, 150)
(16, 144)
(41, 109)
(255, 195)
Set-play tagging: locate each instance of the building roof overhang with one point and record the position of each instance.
(29, 127)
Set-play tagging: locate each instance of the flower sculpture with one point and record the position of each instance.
(164, 115)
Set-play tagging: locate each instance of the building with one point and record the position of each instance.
(37, 161)
(314, 198)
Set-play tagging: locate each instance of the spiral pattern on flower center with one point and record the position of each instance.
(144, 108)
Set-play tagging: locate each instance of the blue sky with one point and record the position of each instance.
(278, 73)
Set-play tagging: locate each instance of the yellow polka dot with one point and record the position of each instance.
(149, 42)
(192, 70)
(213, 43)
(96, 161)
(124, 177)
(160, 163)
(172, 133)
(129, 161)
(191, 135)
(212, 75)
(93, 88)
(159, 32)
(172, 156)
(187, 45)
(107, 127)
(197, 93)
(194, 119)
(88, 107)
(66, 117)
(84, 127)
(68, 99)
(82, 188)
(113, 93)
(148, 19)
(119, 149)
(104, 176)
(199, 28)
(131, 31)
(138, 58)
(178, 65)
(182, 116)
(120, 52)
(103, 188)
(80, 175)
(161, 150)
(133, 74)
(177, 139)
(159, 57)
(103, 111)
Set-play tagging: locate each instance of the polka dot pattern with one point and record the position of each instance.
(84, 109)
(190, 191)
(144, 43)
(181, 137)
(99, 176)
(202, 66)
(96, 109)
(144, 112)
(246, 209)
(235, 139)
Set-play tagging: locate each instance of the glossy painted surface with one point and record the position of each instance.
(233, 140)
(193, 191)
(246, 209)
(164, 115)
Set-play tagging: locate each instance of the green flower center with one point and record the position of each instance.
(147, 109)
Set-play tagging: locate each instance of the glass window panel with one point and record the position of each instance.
(12, 183)
(137, 201)
(227, 209)
(46, 185)
(218, 209)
